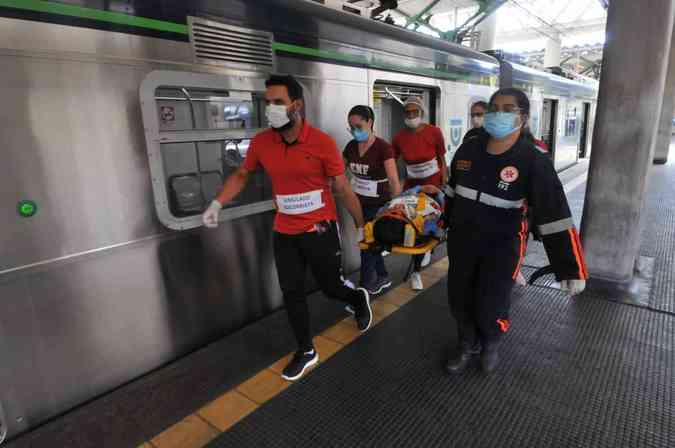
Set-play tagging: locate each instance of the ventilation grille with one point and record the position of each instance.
(231, 46)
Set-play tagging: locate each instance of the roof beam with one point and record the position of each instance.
(417, 17)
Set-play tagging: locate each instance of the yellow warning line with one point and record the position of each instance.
(198, 429)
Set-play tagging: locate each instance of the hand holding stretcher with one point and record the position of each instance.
(411, 223)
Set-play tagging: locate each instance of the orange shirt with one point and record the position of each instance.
(418, 147)
(300, 175)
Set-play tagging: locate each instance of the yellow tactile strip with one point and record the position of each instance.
(198, 429)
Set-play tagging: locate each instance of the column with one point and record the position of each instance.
(665, 131)
(631, 92)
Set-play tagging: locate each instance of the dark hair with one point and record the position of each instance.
(482, 104)
(292, 85)
(524, 106)
(365, 112)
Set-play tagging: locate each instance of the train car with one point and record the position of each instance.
(118, 128)
(563, 110)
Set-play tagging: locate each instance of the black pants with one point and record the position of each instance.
(481, 276)
(321, 252)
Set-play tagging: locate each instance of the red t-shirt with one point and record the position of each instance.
(300, 175)
(370, 167)
(418, 147)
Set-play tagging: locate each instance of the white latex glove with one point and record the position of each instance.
(573, 287)
(359, 234)
(210, 216)
(520, 280)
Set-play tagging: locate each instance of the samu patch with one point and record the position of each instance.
(509, 174)
(463, 165)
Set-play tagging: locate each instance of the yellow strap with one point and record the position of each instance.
(419, 218)
(421, 202)
(368, 234)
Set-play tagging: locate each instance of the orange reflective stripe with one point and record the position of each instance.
(504, 325)
(578, 254)
(523, 244)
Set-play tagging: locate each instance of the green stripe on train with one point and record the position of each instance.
(94, 14)
(160, 25)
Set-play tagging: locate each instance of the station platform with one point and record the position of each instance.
(575, 372)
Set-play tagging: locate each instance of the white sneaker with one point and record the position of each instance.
(426, 260)
(416, 281)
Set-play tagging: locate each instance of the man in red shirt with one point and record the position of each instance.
(422, 148)
(303, 164)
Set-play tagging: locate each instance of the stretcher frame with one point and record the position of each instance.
(398, 249)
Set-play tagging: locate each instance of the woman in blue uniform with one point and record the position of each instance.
(496, 180)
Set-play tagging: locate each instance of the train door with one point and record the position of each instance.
(549, 127)
(583, 142)
(388, 101)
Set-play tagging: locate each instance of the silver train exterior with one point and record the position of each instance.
(106, 282)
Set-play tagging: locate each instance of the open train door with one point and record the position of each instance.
(583, 141)
(549, 127)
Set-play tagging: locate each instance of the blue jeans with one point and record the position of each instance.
(371, 262)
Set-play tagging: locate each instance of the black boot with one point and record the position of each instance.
(489, 357)
(463, 361)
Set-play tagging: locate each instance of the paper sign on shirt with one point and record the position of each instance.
(364, 187)
(301, 203)
(423, 170)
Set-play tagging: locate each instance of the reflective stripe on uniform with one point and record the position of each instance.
(494, 201)
(467, 193)
(556, 226)
(487, 199)
(448, 190)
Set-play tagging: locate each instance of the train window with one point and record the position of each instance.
(181, 109)
(198, 131)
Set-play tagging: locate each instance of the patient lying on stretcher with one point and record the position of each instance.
(414, 219)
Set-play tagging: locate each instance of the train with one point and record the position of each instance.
(119, 124)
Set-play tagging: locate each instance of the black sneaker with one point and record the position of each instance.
(299, 364)
(379, 285)
(362, 312)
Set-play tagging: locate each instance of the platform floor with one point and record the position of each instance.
(577, 372)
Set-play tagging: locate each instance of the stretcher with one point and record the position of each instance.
(415, 224)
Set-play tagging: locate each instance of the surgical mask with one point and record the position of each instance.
(501, 124)
(360, 135)
(477, 122)
(277, 116)
(413, 123)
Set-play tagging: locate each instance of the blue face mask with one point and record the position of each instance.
(501, 124)
(359, 135)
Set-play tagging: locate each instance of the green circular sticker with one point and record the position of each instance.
(27, 208)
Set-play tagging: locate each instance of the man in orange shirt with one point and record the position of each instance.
(303, 164)
(422, 148)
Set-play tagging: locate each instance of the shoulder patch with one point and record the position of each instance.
(463, 165)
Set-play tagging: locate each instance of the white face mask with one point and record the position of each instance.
(413, 123)
(477, 122)
(276, 115)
